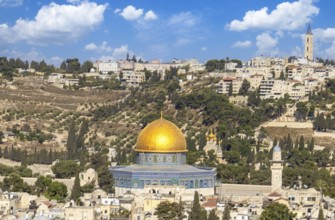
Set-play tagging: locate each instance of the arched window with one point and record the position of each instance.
(186, 184)
(191, 183)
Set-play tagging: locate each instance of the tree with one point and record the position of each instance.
(311, 145)
(63, 66)
(15, 183)
(87, 66)
(301, 143)
(212, 215)
(105, 179)
(226, 212)
(169, 210)
(197, 212)
(301, 111)
(42, 183)
(282, 76)
(244, 88)
(73, 65)
(230, 89)
(71, 143)
(76, 193)
(1, 137)
(321, 216)
(277, 211)
(190, 143)
(65, 168)
(202, 140)
(56, 191)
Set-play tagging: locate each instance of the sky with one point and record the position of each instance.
(159, 29)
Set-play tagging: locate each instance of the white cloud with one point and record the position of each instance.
(325, 35)
(186, 19)
(286, 16)
(266, 44)
(242, 44)
(55, 24)
(99, 48)
(204, 48)
(150, 15)
(10, 3)
(119, 53)
(91, 46)
(322, 39)
(131, 13)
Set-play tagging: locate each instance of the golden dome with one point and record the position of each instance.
(161, 136)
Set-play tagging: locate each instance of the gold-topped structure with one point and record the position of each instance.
(161, 166)
(211, 136)
(161, 136)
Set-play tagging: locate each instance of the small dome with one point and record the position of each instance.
(161, 136)
(276, 149)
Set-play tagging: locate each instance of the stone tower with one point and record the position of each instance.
(276, 169)
(309, 44)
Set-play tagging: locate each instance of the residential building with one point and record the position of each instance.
(131, 78)
(229, 84)
(107, 66)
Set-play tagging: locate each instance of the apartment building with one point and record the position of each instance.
(228, 83)
(131, 78)
(107, 66)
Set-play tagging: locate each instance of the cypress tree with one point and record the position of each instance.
(80, 139)
(311, 145)
(5, 153)
(197, 212)
(320, 216)
(212, 215)
(76, 193)
(301, 143)
(226, 213)
(71, 142)
(202, 140)
(230, 89)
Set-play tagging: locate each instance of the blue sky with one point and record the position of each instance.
(152, 29)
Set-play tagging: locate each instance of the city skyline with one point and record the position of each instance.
(162, 30)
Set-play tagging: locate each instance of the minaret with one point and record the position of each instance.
(309, 44)
(276, 169)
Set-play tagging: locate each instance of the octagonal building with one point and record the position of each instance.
(161, 165)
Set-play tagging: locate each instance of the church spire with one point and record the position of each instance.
(309, 29)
